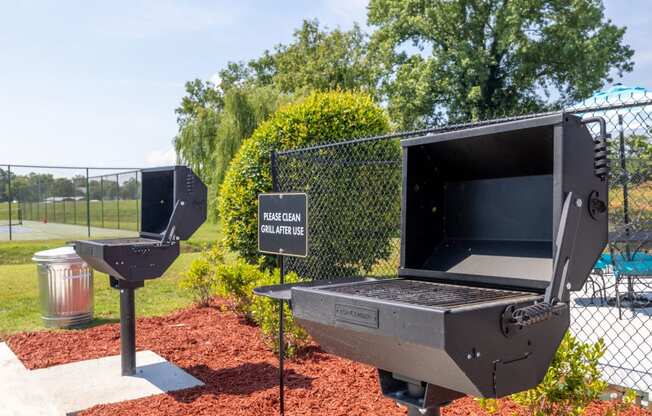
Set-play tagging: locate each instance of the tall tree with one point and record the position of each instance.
(214, 119)
(244, 109)
(199, 96)
(455, 60)
(195, 142)
(317, 59)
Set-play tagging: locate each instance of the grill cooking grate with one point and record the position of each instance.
(126, 241)
(426, 293)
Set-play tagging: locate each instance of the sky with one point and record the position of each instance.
(95, 83)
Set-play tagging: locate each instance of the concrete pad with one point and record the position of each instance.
(68, 388)
(78, 386)
(19, 394)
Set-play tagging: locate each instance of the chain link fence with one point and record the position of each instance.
(56, 202)
(354, 190)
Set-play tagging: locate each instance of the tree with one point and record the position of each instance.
(474, 59)
(130, 188)
(320, 117)
(195, 143)
(638, 159)
(63, 187)
(318, 59)
(215, 119)
(244, 109)
(4, 185)
(200, 95)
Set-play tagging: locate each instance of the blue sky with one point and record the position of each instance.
(96, 82)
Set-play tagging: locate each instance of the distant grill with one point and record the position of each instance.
(173, 206)
(415, 292)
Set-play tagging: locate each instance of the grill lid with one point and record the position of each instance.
(173, 203)
(487, 205)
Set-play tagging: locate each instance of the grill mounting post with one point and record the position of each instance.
(127, 323)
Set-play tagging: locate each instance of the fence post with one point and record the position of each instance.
(137, 204)
(624, 177)
(88, 203)
(10, 198)
(38, 198)
(102, 199)
(117, 196)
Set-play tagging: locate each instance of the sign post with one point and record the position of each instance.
(283, 231)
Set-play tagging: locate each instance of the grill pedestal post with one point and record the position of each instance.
(127, 323)
(128, 332)
(421, 399)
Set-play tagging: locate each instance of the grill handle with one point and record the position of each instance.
(601, 164)
(518, 318)
(569, 226)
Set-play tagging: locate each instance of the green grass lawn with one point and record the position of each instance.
(19, 303)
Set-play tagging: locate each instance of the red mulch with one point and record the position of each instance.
(239, 371)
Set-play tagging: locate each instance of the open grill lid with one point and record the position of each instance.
(173, 203)
(502, 205)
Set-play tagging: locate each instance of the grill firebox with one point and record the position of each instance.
(430, 294)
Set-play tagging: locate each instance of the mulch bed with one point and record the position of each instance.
(239, 371)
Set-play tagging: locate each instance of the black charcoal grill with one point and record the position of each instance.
(173, 206)
(499, 223)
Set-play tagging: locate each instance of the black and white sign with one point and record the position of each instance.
(283, 224)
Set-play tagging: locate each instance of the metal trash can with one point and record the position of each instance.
(65, 288)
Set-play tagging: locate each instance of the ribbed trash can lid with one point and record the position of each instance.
(60, 254)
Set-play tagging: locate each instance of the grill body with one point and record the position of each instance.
(173, 201)
(431, 337)
(128, 259)
(494, 220)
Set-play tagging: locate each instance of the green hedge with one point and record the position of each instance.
(321, 117)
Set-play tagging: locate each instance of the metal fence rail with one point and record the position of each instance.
(354, 188)
(75, 200)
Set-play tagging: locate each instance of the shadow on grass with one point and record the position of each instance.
(242, 380)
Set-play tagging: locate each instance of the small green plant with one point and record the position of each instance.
(571, 383)
(265, 312)
(624, 404)
(236, 281)
(488, 405)
(200, 281)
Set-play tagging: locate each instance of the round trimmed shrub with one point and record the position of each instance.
(319, 118)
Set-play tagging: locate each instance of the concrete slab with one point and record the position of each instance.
(19, 394)
(80, 385)
(68, 388)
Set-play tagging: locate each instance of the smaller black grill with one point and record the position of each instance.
(415, 292)
(173, 202)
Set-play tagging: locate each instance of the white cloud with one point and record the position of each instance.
(161, 157)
